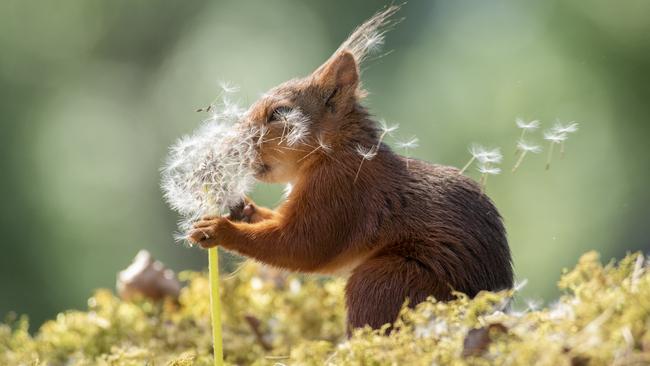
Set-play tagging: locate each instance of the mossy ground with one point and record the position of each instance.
(602, 318)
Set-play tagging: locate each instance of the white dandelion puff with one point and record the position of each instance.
(570, 127)
(483, 156)
(366, 154)
(526, 127)
(486, 169)
(321, 145)
(519, 285)
(553, 137)
(211, 170)
(228, 87)
(490, 156)
(386, 128)
(407, 146)
(533, 304)
(525, 148)
(491, 170)
(297, 125)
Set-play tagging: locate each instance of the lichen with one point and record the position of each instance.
(602, 318)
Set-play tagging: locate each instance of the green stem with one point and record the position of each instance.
(467, 165)
(521, 138)
(550, 155)
(215, 305)
(521, 158)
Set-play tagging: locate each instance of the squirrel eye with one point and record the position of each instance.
(279, 113)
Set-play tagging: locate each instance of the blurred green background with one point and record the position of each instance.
(93, 92)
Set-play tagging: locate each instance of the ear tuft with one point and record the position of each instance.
(340, 71)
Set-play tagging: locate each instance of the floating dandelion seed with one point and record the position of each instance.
(486, 169)
(483, 156)
(228, 87)
(386, 129)
(525, 148)
(533, 304)
(321, 145)
(297, 125)
(366, 154)
(554, 138)
(571, 127)
(526, 127)
(408, 145)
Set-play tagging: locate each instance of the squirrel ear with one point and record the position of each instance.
(340, 72)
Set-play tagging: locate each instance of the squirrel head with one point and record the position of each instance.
(306, 118)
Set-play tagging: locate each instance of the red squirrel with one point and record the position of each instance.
(399, 228)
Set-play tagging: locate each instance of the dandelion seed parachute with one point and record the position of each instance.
(527, 126)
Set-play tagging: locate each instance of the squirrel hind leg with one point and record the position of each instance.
(378, 288)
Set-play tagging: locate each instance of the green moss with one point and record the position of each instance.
(602, 318)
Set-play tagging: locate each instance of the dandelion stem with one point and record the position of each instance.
(407, 158)
(521, 138)
(467, 165)
(550, 155)
(562, 150)
(483, 181)
(521, 158)
(215, 305)
(358, 170)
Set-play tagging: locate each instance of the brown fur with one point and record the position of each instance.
(402, 231)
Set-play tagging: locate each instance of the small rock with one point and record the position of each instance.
(148, 278)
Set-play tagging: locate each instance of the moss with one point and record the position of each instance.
(602, 318)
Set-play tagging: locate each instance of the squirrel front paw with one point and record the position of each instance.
(207, 232)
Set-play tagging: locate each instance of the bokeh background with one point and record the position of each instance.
(93, 92)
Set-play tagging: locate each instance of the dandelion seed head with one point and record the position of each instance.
(527, 126)
(212, 169)
(570, 127)
(367, 153)
(555, 136)
(528, 147)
